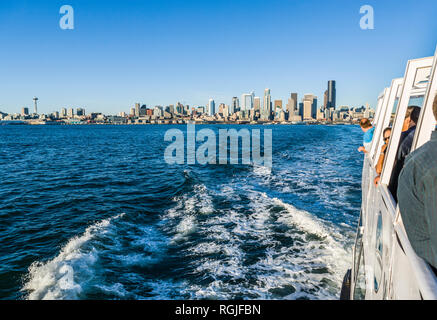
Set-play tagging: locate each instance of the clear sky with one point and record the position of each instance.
(160, 52)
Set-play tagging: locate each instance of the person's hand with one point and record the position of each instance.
(376, 181)
(361, 149)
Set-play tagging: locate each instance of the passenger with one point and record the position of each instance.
(386, 136)
(405, 143)
(368, 130)
(417, 194)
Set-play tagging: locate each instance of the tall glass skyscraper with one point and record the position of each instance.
(211, 107)
(267, 106)
(331, 94)
(235, 105)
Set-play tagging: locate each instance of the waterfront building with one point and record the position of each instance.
(158, 111)
(180, 108)
(309, 107)
(320, 115)
(137, 110)
(25, 111)
(292, 104)
(277, 109)
(201, 109)
(278, 103)
(64, 112)
(143, 110)
(80, 112)
(292, 107)
(221, 108)
(70, 113)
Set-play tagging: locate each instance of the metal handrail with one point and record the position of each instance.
(425, 277)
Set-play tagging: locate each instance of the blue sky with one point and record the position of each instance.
(160, 52)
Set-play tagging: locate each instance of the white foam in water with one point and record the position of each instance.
(262, 170)
(56, 279)
(186, 209)
(312, 267)
(186, 227)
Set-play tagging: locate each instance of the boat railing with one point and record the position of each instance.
(424, 275)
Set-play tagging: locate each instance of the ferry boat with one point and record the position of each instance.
(384, 264)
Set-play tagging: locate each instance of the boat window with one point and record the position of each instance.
(386, 119)
(378, 256)
(416, 101)
(358, 245)
(393, 113)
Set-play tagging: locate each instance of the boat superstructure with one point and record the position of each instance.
(385, 266)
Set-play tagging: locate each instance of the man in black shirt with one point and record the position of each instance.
(404, 149)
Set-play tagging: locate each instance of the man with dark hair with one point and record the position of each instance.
(368, 130)
(405, 143)
(386, 136)
(417, 194)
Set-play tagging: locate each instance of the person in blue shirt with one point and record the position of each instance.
(368, 130)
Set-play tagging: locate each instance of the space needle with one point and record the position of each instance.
(35, 99)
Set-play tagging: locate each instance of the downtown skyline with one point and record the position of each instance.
(267, 106)
(192, 51)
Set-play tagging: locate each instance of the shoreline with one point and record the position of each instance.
(54, 123)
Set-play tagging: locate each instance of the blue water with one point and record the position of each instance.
(94, 212)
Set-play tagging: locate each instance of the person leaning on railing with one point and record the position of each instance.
(405, 143)
(417, 194)
(386, 136)
(368, 130)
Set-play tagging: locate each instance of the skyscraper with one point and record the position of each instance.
(246, 101)
(291, 107)
(137, 109)
(35, 100)
(211, 107)
(235, 105)
(309, 107)
(80, 111)
(25, 111)
(277, 108)
(332, 93)
(267, 106)
(257, 103)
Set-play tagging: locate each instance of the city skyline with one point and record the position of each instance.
(250, 111)
(249, 101)
(191, 51)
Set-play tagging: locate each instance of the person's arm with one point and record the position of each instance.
(430, 214)
(362, 149)
(381, 158)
